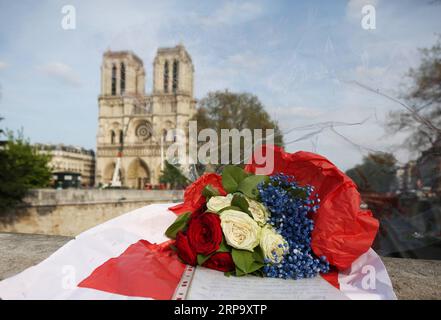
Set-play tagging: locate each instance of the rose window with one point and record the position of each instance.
(144, 131)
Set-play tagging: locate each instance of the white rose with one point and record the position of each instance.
(240, 230)
(259, 212)
(217, 203)
(272, 244)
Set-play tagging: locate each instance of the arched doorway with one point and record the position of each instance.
(138, 174)
(108, 173)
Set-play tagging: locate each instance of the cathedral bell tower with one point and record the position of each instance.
(173, 72)
(122, 73)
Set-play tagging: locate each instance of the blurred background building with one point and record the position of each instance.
(72, 166)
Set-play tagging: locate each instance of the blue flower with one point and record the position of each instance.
(290, 212)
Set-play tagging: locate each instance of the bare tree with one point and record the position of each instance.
(421, 116)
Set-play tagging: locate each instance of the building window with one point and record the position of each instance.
(123, 78)
(144, 130)
(164, 134)
(112, 137)
(121, 137)
(175, 75)
(113, 80)
(166, 76)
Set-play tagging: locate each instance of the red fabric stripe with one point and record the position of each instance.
(332, 278)
(143, 270)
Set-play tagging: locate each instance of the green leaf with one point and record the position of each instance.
(258, 273)
(245, 261)
(232, 176)
(241, 202)
(248, 186)
(224, 246)
(209, 191)
(201, 258)
(229, 208)
(258, 255)
(255, 267)
(179, 225)
(239, 273)
(242, 259)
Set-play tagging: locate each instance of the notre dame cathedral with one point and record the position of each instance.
(136, 127)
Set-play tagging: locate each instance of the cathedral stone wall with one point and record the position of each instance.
(135, 126)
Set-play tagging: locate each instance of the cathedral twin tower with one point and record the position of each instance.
(137, 127)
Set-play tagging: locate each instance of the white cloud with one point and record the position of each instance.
(3, 65)
(233, 13)
(62, 72)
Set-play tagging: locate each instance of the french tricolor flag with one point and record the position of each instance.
(129, 258)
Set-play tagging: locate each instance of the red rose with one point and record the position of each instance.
(193, 198)
(185, 252)
(221, 261)
(205, 233)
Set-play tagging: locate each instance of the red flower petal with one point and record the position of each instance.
(221, 261)
(185, 251)
(193, 198)
(205, 233)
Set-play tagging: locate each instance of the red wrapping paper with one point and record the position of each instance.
(193, 198)
(342, 230)
(332, 277)
(143, 270)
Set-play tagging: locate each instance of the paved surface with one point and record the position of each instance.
(19, 251)
(412, 279)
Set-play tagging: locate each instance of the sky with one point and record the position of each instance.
(303, 59)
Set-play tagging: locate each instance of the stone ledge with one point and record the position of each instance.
(412, 279)
(19, 251)
(52, 197)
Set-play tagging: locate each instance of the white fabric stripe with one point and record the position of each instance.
(367, 279)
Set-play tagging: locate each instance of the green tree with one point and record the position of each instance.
(173, 176)
(377, 173)
(228, 110)
(421, 117)
(22, 168)
(2, 132)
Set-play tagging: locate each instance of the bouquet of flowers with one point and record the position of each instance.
(273, 225)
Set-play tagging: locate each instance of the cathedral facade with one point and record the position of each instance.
(135, 128)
